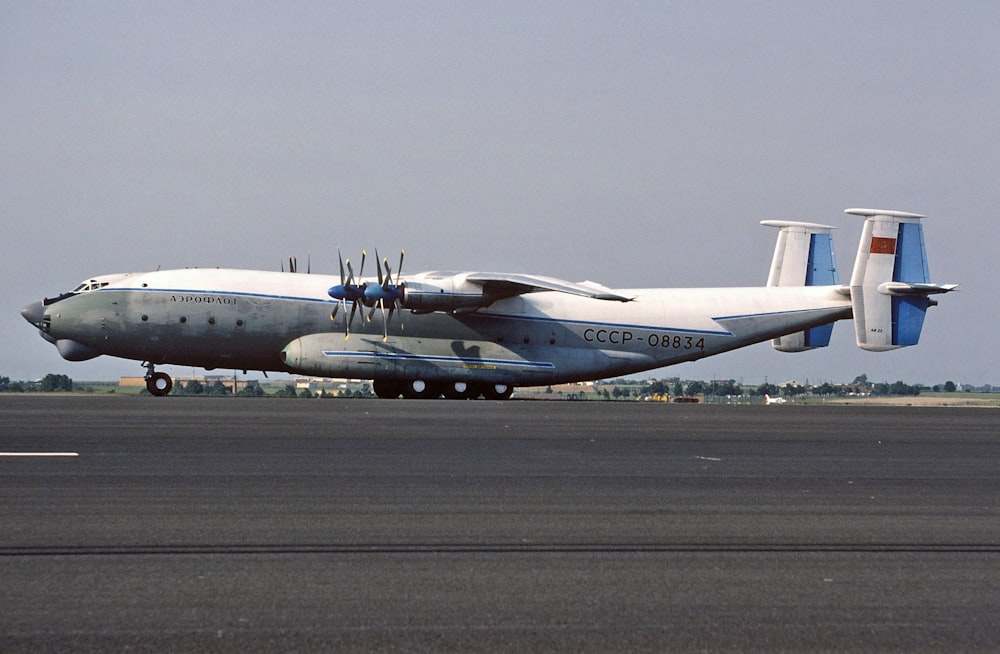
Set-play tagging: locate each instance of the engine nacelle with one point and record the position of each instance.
(445, 292)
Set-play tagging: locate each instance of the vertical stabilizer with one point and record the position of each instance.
(890, 283)
(803, 256)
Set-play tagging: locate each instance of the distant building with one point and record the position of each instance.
(228, 381)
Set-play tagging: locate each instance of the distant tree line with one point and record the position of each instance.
(50, 383)
(618, 389)
(195, 387)
(676, 387)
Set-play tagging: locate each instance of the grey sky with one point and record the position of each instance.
(633, 144)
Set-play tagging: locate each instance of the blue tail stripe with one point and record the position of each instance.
(911, 255)
(908, 319)
(818, 336)
(822, 267)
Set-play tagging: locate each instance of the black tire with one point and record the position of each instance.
(387, 390)
(461, 391)
(159, 384)
(498, 391)
(418, 389)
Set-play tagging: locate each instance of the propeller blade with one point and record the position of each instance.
(336, 307)
(388, 320)
(388, 274)
(397, 292)
(385, 322)
(340, 258)
(347, 327)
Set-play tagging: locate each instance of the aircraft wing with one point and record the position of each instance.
(510, 284)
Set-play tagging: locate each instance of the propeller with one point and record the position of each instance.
(348, 290)
(385, 293)
(293, 264)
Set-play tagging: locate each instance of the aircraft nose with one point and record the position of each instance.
(34, 313)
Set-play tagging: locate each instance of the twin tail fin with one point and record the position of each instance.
(803, 256)
(890, 285)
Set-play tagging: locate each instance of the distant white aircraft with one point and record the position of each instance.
(471, 334)
(773, 400)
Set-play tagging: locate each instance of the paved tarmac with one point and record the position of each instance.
(223, 524)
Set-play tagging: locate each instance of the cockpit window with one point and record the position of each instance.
(84, 287)
(89, 285)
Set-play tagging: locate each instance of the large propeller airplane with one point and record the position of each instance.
(470, 334)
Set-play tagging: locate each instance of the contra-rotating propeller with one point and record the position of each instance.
(293, 264)
(348, 290)
(386, 292)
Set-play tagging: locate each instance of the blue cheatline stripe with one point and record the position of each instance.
(821, 270)
(437, 359)
(911, 255)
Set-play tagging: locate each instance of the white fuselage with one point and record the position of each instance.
(243, 319)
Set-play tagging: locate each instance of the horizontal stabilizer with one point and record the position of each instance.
(900, 288)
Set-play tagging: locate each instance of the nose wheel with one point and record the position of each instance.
(157, 383)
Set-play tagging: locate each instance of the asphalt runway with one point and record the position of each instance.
(178, 524)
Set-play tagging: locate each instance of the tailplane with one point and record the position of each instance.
(890, 285)
(803, 256)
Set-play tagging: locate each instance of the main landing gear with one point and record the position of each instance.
(157, 383)
(418, 389)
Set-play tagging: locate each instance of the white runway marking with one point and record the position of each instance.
(39, 454)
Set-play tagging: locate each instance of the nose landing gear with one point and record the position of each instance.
(157, 383)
